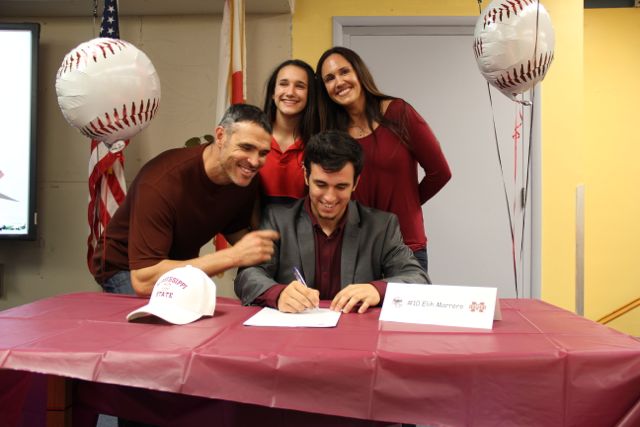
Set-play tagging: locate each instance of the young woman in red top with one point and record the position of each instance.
(394, 137)
(290, 104)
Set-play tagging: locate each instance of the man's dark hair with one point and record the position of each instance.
(244, 113)
(331, 150)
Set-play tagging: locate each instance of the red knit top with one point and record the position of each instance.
(389, 180)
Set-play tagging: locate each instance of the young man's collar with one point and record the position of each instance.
(314, 220)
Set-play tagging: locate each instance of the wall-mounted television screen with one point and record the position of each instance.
(18, 99)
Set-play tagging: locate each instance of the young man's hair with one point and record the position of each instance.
(331, 150)
(244, 113)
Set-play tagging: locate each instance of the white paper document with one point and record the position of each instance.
(316, 318)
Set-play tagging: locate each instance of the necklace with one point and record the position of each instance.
(361, 132)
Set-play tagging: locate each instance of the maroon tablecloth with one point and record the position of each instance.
(539, 366)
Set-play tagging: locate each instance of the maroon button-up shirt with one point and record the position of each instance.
(328, 254)
(328, 263)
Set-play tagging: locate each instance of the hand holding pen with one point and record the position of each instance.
(297, 296)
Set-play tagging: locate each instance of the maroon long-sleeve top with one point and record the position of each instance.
(389, 180)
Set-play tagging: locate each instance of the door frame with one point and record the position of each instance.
(345, 26)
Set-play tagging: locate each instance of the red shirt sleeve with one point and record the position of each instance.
(381, 287)
(269, 298)
(428, 153)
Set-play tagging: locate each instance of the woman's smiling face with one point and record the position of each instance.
(341, 80)
(291, 90)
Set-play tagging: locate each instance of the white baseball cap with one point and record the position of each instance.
(180, 296)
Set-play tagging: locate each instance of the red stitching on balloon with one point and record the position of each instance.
(75, 58)
(155, 107)
(540, 67)
(133, 113)
(511, 7)
(117, 121)
(478, 47)
(106, 126)
(97, 128)
(125, 119)
(110, 47)
(140, 110)
(91, 131)
(104, 52)
(146, 110)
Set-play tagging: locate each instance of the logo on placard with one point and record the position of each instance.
(477, 306)
(397, 302)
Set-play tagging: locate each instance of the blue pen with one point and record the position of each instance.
(300, 279)
(298, 276)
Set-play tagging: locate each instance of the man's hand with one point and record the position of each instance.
(364, 293)
(254, 248)
(296, 297)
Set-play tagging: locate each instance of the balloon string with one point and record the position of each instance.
(535, 43)
(504, 185)
(95, 15)
(516, 188)
(516, 141)
(525, 195)
(531, 102)
(516, 135)
(506, 194)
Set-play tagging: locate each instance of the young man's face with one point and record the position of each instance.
(243, 152)
(330, 192)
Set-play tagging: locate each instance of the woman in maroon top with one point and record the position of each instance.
(290, 104)
(394, 137)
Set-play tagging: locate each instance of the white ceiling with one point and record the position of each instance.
(37, 8)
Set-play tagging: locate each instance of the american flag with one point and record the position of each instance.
(109, 26)
(107, 185)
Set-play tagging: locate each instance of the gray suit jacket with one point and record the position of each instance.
(372, 249)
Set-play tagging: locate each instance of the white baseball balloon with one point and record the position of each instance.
(108, 89)
(511, 55)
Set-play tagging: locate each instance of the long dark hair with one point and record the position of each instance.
(308, 124)
(334, 116)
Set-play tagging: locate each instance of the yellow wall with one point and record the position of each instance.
(612, 145)
(562, 115)
(311, 23)
(562, 152)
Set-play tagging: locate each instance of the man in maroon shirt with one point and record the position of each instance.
(346, 251)
(181, 199)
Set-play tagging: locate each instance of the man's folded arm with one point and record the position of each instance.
(248, 248)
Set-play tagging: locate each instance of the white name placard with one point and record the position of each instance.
(445, 305)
